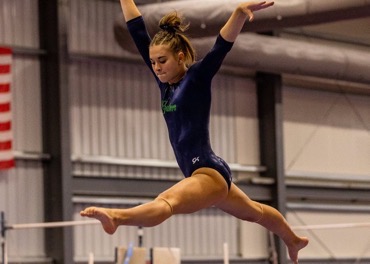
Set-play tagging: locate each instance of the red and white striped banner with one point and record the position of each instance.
(6, 135)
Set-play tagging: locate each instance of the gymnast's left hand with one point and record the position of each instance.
(249, 7)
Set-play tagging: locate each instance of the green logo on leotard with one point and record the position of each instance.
(166, 108)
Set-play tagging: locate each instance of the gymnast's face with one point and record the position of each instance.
(167, 65)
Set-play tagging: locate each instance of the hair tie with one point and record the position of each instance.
(168, 28)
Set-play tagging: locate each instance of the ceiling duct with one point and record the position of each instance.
(208, 16)
(277, 55)
(267, 53)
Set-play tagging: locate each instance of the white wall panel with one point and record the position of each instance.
(26, 104)
(326, 132)
(18, 23)
(255, 241)
(198, 235)
(246, 122)
(115, 112)
(113, 108)
(91, 26)
(340, 243)
(234, 124)
(222, 120)
(21, 198)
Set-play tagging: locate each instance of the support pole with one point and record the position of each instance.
(3, 233)
(270, 115)
(140, 234)
(53, 26)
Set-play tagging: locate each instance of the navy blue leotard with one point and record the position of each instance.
(186, 105)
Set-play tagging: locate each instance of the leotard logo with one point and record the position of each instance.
(166, 108)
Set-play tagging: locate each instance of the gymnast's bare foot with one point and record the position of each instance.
(296, 246)
(104, 215)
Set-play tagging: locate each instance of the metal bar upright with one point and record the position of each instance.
(270, 114)
(3, 231)
(55, 121)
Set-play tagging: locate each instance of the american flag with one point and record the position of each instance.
(6, 135)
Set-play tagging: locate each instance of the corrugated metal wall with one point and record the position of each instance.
(21, 192)
(115, 112)
(18, 25)
(21, 189)
(26, 104)
(91, 27)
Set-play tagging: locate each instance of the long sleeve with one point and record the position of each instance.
(141, 38)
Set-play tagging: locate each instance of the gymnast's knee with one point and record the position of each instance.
(166, 201)
(255, 215)
(260, 212)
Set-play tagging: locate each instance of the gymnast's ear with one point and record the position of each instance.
(181, 57)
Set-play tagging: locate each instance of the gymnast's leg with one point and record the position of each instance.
(241, 206)
(203, 189)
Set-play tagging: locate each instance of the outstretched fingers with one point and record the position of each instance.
(251, 7)
(255, 6)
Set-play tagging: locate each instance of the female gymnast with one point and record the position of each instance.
(185, 87)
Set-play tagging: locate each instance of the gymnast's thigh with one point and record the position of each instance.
(206, 187)
(238, 204)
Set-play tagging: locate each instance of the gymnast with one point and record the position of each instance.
(185, 87)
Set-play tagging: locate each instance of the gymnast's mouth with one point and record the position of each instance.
(161, 72)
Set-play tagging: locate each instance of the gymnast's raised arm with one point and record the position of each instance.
(129, 9)
(234, 25)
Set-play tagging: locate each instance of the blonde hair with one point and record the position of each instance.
(172, 33)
